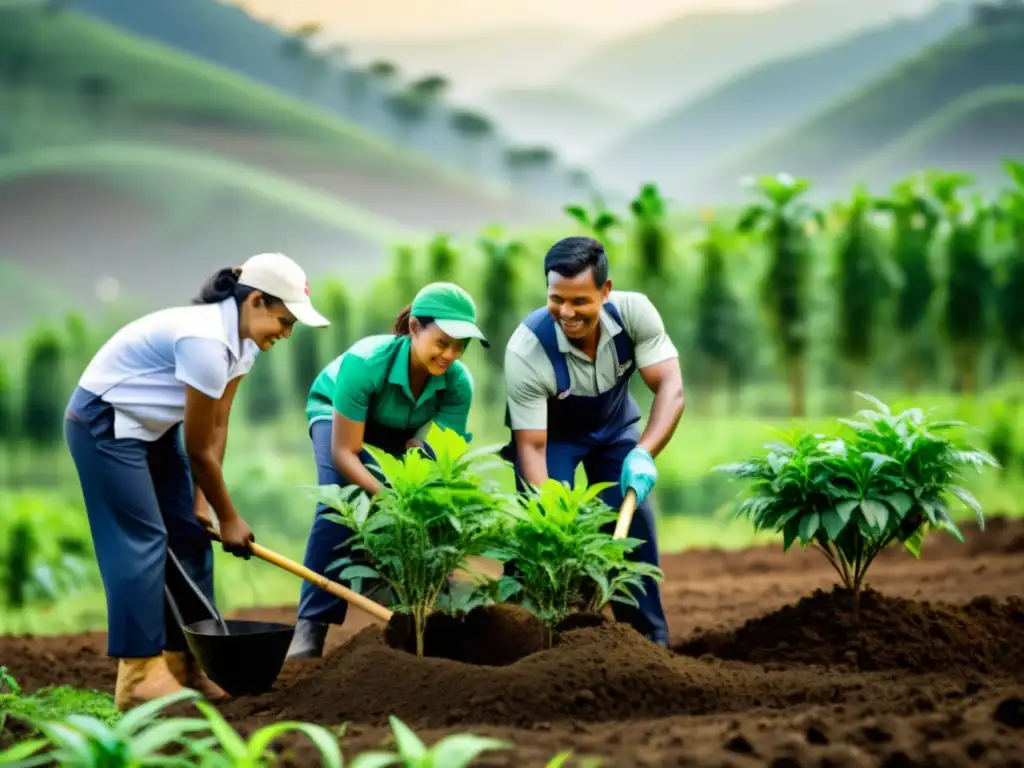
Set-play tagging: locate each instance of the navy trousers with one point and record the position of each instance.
(603, 464)
(139, 499)
(328, 540)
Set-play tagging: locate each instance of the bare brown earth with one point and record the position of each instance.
(770, 666)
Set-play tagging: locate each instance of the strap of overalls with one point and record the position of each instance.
(543, 326)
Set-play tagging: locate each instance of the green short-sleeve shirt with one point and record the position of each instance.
(370, 380)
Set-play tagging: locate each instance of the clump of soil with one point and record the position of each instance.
(985, 635)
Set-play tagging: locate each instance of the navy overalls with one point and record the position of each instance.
(139, 499)
(328, 540)
(598, 432)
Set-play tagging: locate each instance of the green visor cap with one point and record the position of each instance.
(452, 309)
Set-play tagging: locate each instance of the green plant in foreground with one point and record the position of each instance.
(137, 739)
(255, 753)
(429, 517)
(561, 557)
(851, 496)
(455, 751)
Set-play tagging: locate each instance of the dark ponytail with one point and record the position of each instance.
(402, 322)
(224, 285)
(220, 286)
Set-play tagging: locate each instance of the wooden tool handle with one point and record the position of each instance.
(336, 589)
(625, 514)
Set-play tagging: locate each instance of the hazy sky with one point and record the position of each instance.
(420, 18)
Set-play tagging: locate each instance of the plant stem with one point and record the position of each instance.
(419, 616)
(836, 560)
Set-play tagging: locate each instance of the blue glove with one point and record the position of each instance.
(638, 473)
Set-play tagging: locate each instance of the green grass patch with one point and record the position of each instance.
(51, 703)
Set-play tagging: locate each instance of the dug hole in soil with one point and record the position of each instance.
(769, 666)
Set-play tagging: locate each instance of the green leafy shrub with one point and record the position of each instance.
(885, 478)
(431, 515)
(562, 560)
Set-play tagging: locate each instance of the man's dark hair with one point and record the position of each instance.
(572, 255)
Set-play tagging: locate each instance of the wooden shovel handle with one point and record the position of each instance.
(336, 589)
(625, 514)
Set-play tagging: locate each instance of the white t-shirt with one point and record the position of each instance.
(142, 370)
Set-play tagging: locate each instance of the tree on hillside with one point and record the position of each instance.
(298, 47)
(337, 307)
(599, 222)
(718, 323)
(782, 220)
(43, 409)
(263, 394)
(652, 240)
(1011, 269)
(443, 258)
(968, 275)
(431, 88)
(501, 300)
(408, 109)
(306, 362)
(406, 274)
(915, 215)
(474, 129)
(8, 425)
(524, 162)
(861, 285)
(384, 72)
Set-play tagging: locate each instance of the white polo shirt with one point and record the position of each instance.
(142, 370)
(530, 377)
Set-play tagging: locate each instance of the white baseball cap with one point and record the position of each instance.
(277, 275)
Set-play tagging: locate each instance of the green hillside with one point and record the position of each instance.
(977, 132)
(685, 57)
(68, 61)
(159, 220)
(831, 145)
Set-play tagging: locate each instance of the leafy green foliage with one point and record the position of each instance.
(887, 478)
(135, 739)
(429, 517)
(236, 752)
(561, 558)
(455, 751)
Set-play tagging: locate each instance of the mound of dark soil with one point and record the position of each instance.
(890, 633)
(605, 671)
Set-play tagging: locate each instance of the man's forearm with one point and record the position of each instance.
(534, 464)
(666, 411)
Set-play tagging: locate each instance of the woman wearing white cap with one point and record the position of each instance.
(174, 368)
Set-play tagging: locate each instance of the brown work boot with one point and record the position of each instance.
(142, 680)
(186, 670)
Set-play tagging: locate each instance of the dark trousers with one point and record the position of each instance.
(603, 464)
(328, 540)
(139, 499)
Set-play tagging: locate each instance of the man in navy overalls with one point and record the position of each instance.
(567, 371)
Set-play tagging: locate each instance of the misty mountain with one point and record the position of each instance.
(647, 71)
(767, 99)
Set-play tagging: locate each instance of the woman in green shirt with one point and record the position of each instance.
(384, 391)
